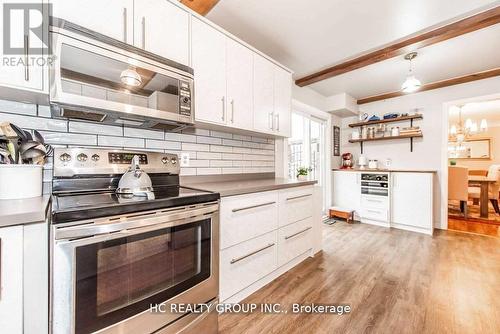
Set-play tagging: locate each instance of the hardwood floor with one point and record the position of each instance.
(395, 282)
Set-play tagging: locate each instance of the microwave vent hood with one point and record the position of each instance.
(98, 79)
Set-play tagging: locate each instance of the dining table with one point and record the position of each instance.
(484, 183)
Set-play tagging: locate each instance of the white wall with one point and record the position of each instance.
(429, 152)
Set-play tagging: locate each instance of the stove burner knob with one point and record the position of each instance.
(65, 157)
(174, 161)
(164, 160)
(82, 157)
(95, 158)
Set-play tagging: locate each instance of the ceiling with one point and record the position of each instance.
(489, 110)
(308, 36)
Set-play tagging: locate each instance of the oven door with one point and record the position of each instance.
(115, 84)
(108, 281)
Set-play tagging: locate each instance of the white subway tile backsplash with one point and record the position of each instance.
(17, 108)
(69, 138)
(180, 137)
(232, 156)
(195, 147)
(97, 129)
(37, 123)
(209, 155)
(221, 163)
(210, 152)
(160, 144)
(222, 149)
(143, 133)
(208, 140)
(208, 171)
(221, 134)
(121, 141)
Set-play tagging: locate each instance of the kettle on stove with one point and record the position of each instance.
(135, 181)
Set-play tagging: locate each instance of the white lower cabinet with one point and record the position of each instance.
(412, 201)
(245, 217)
(245, 263)
(294, 239)
(347, 190)
(24, 279)
(11, 279)
(262, 235)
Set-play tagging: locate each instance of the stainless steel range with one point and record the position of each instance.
(114, 256)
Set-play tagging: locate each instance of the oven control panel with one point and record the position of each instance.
(74, 161)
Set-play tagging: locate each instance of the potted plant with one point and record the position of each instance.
(22, 156)
(302, 173)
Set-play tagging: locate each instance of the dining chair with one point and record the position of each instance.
(458, 182)
(493, 189)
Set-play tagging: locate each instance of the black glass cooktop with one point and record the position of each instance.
(79, 206)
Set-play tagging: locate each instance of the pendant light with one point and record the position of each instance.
(411, 83)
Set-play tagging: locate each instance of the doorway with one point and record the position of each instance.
(473, 160)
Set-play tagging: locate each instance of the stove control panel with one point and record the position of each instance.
(76, 161)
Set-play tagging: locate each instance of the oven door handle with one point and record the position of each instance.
(168, 219)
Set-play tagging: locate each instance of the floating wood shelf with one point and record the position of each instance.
(385, 138)
(389, 120)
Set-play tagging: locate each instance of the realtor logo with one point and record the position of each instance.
(26, 28)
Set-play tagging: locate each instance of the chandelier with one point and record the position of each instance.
(462, 131)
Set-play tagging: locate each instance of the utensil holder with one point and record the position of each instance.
(20, 181)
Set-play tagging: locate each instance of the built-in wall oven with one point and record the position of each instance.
(109, 272)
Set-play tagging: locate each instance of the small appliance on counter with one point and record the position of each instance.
(362, 162)
(373, 164)
(347, 161)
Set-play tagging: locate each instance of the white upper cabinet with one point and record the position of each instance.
(162, 28)
(113, 18)
(263, 94)
(25, 70)
(209, 64)
(282, 101)
(412, 201)
(239, 65)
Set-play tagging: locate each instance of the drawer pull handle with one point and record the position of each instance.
(373, 200)
(297, 197)
(254, 206)
(252, 253)
(300, 232)
(373, 211)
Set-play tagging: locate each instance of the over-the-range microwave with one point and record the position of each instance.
(97, 78)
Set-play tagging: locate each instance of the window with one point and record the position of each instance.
(306, 148)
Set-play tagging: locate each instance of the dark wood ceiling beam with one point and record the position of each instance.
(458, 28)
(202, 7)
(435, 85)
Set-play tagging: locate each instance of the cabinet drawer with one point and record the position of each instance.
(377, 202)
(375, 214)
(247, 216)
(295, 204)
(294, 239)
(246, 263)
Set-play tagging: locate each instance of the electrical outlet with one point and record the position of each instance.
(184, 159)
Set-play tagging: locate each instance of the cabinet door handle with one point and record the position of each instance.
(238, 259)
(125, 24)
(298, 197)
(26, 58)
(278, 122)
(300, 232)
(223, 100)
(253, 206)
(271, 121)
(232, 110)
(144, 32)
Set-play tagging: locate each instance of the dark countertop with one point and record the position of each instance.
(240, 187)
(386, 170)
(23, 211)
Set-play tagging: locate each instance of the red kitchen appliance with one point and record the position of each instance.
(347, 161)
